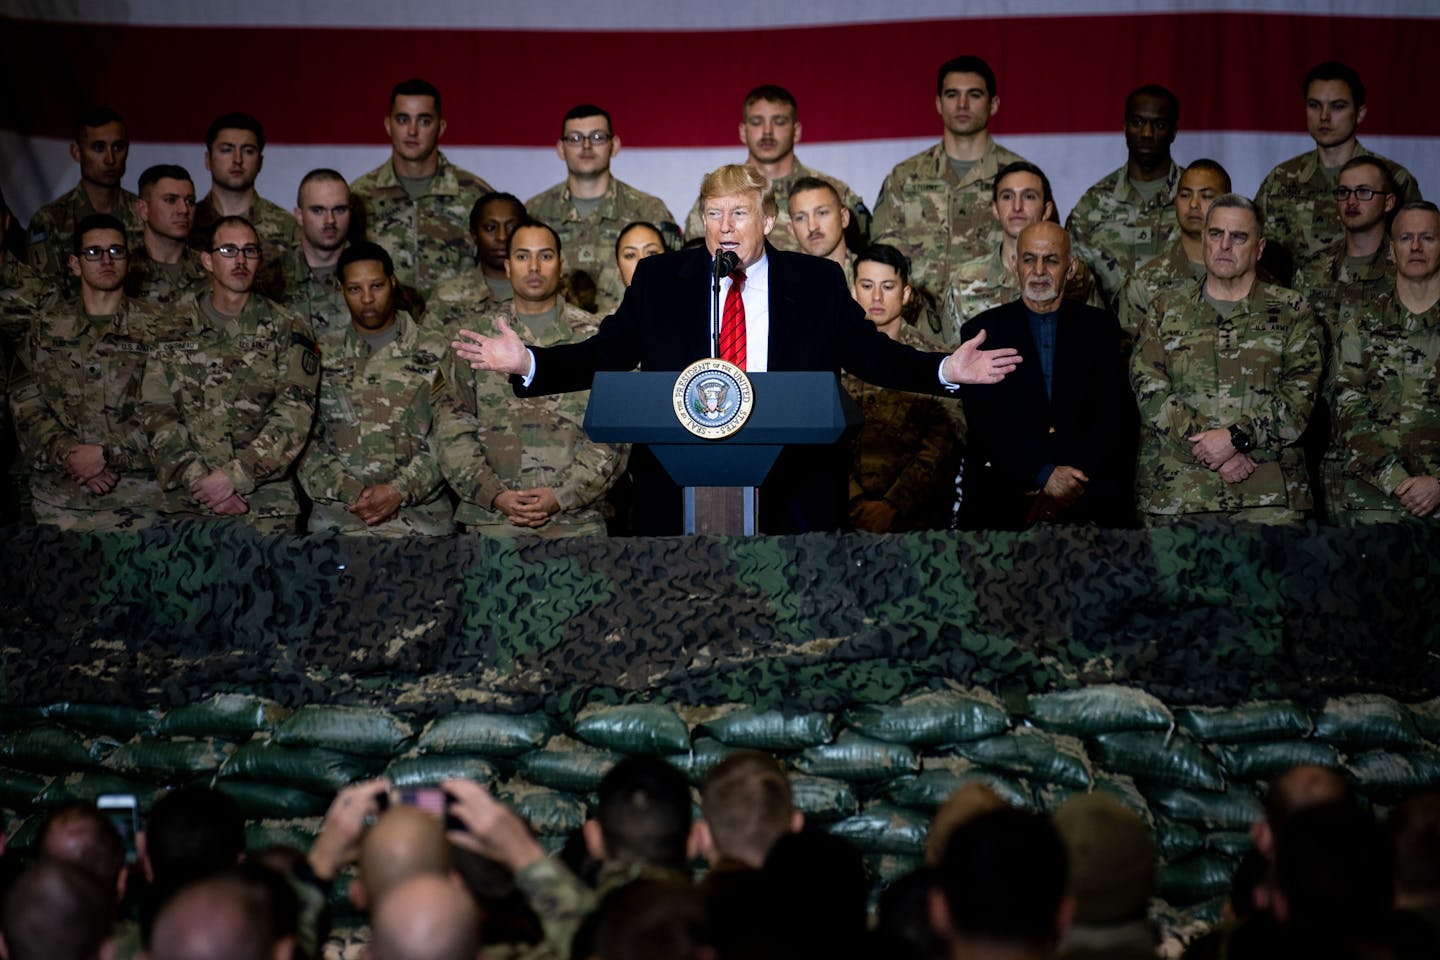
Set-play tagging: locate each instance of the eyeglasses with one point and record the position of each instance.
(116, 252)
(597, 137)
(251, 251)
(1361, 193)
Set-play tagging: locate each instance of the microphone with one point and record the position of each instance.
(726, 262)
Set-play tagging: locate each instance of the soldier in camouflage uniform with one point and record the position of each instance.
(304, 278)
(77, 407)
(1226, 372)
(769, 128)
(234, 154)
(818, 220)
(1297, 196)
(101, 148)
(1124, 220)
(417, 204)
(492, 220)
(936, 206)
(589, 209)
(524, 467)
(1184, 262)
(904, 456)
(21, 292)
(1387, 384)
(228, 404)
(164, 268)
(372, 465)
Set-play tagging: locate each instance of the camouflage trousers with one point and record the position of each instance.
(119, 518)
(1271, 516)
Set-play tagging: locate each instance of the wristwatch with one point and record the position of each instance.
(1240, 440)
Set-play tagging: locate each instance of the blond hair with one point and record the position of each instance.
(736, 178)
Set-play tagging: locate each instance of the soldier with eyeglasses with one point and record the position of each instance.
(77, 403)
(230, 399)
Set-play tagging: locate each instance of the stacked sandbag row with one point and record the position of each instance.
(873, 773)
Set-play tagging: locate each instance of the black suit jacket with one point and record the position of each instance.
(1089, 422)
(663, 324)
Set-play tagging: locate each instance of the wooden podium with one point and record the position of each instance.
(720, 478)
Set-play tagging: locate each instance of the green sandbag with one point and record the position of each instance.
(230, 716)
(884, 828)
(1391, 777)
(168, 761)
(313, 769)
(704, 753)
(574, 769)
(823, 799)
(488, 734)
(1427, 719)
(91, 719)
(1258, 720)
(771, 729)
(281, 833)
(857, 759)
(91, 784)
(431, 771)
(1035, 755)
(933, 717)
(1158, 758)
(1175, 840)
(24, 837)
(20, 788)
(1050, 797)
(634, 728)
(1195, 878)
(549, 813)
(886, 868)
(1123, 788)
(932, 787)
(1266, 761)
(1103, 708)
(13, 717)
(1367, 721)
(1234, 809)
(258, 801)
(1231, 844)
(364, 730)
(46, 748)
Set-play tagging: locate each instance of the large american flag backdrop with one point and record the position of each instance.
(318, 74)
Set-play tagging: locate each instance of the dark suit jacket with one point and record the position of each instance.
(664, 324)
(1090, 421)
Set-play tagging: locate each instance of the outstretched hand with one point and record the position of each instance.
(503, 354)
(970, 364)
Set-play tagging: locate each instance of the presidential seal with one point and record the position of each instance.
(712, 398)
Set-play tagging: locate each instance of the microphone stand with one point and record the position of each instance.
(724, 264)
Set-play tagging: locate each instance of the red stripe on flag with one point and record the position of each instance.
(853, 82)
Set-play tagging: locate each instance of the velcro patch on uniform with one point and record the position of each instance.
(177, 346)
(131, 346)
(437, 385)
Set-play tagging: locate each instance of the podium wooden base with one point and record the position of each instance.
(721, 511)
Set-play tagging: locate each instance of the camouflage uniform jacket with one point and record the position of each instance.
(145, 279)
(907, 449)
(1171, 269)
(1299, 206)
(22, 291)
(1115, 229)
(937, 219)
(314, 296)
(52, 234)
(1387, 409)
(982, 283)
(562, 901)
(780, 237)
(1194, 370)
(492, 441)
(274, 225)
(463, 296)
(1331, 280)
(240, 399)
(429, 239)
(84, 388)
(589, 242)
(376, 424)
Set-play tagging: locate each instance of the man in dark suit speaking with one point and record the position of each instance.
(781, 311)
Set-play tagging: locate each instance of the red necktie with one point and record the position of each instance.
(732, 323)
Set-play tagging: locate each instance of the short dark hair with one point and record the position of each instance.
(230, 221)
(319, 175)
(494, 196)
(631, 226)
(530, 221)
(1021, 166)
(1335, 868)
(1205, 163)
(54, 910)
(163, 171)
(1335, 70)
(235, 121)
(966, 64)
(95, 117)
(94, 221)
(581, 111)
(101, 852)
(643, 808)
(816, 183)
(889, 256)
(1387, 179)
(192, 833)
(416, 87)
(1003, 876)
(772, 92)
(1155, 90)
(361, 251)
